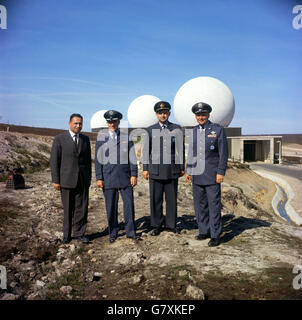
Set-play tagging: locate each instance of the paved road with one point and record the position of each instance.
(294, 171)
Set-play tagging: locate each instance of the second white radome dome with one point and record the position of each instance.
(141, 111)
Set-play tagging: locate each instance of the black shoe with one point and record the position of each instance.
(111, 240)
(174, 230)
(155, 232)
(214, 242)
(202, 236)
(135, 238)
(66, 241)
(82, 239)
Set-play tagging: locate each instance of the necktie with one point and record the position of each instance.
(76, 141)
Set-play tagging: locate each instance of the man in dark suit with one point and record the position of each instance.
(206, 166)
(116, 171)
(70, 164)
(163, 157)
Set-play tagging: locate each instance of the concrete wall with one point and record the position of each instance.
(266, 151)
(234, 153)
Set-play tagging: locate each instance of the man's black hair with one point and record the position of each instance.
(75, 115)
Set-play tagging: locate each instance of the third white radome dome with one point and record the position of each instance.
(204, 89)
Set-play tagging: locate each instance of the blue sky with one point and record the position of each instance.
(63, 56)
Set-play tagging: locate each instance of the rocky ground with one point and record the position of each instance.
(254, 261)
(29, 151)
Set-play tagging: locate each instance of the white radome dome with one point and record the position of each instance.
(141, 111)
(123, 124)
(204, 89)
(98, 120)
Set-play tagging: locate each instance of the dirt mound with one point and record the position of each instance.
(254, 261)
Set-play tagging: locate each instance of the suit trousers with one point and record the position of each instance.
(111, 200)
(207, 206)
(75, 203)
(157, 189)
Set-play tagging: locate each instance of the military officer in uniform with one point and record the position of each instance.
(163, 157)
(116, 171)
(208, 146)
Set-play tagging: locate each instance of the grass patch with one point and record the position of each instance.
(272, 284)
(181, 268)
(74, 278)
(31, 162)
(44, 148)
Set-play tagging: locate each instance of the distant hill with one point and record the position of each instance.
(40, 131)
(291, 138)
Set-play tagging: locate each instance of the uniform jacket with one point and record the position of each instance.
(155, 149)
(115, 160)
(68, 160)
(215, 154)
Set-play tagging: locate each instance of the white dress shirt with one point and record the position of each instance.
(73, 135)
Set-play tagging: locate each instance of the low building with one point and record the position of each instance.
(255, 148)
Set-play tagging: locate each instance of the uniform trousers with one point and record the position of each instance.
(157, 189)
(111, 200)
(207, 206)
(75, 203)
